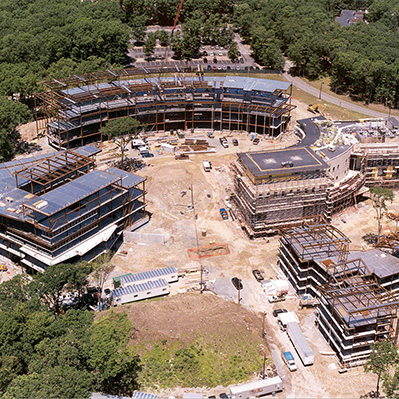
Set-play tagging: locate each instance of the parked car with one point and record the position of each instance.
(255, 141)
(235, 142)
(147, 154)
(215, 60)
(214, 67)
(220, 53)
(211, 54)
(258, 275)
(238, 67)
(204, 53)
(223, 396)
(205, 60)
(237, 283)
(242, 60)
(209, 66)
(276, 312)
(228, 67)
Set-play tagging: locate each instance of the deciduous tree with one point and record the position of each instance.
(379, 197)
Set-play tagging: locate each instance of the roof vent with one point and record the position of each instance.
(287, 164)
(331, 148)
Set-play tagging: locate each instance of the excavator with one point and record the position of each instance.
(317, 108)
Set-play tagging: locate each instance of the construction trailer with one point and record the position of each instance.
(170, 274)
(74, 109)
(257, 388)
(140, 291)
(300, 344)
(279, 188)
(57, 208)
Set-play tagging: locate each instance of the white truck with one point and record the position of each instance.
(257, 388)
(207, 166)
(137, 143)
(301, 345)
(289, 360)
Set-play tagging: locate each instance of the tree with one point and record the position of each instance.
(233, 51)
(60, 382)
(163, 37)
(149, 44)
(115, 364)
(383, 356)
(137, 24)
(51, 284)
(102, 267)
(177, 45)
(379, 197)
(122, 130)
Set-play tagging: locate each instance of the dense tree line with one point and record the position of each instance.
(362, 59)
(47, 353)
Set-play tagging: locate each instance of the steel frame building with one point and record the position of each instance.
(357, 291)
(75, 109)
(57, 208)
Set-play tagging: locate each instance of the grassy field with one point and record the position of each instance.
(336, 112)
(192, 340)
(325, 88)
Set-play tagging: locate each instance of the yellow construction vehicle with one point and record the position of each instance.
(317, 108)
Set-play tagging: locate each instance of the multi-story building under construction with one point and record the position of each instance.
(76, 108)
(358, 291)
(279, 188)
(58, 208)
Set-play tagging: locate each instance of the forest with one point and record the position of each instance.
(47, 351)
(40, 39)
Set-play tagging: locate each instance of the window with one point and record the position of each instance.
(149, 292)
(135, 296)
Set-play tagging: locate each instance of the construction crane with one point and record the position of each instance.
(317, 108)
(177, 17)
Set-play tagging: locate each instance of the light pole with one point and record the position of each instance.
(239, 291)
(321, 85)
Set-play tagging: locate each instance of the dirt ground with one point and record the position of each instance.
(169, 199)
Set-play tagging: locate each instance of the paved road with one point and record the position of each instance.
(300, 84)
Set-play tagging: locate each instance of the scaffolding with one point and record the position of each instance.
(269, 203)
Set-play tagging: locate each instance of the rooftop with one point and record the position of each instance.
(334, 152)
(378, 262)
(140, 287)
(281, 162)
(152, 274)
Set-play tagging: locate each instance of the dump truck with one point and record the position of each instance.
(300, 344)
(224, 214)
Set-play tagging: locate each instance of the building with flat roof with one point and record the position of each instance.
(77, 107)
(279, 188)
(57, 208)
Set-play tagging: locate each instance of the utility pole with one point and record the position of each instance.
(197, 239)
(263, 325)
(239, 291)
(321, 85)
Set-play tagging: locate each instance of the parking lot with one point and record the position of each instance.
(210, 58)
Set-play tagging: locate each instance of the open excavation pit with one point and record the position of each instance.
(208, 251)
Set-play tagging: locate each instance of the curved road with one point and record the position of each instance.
(300, 84)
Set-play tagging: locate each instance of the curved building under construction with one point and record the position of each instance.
(76, 108)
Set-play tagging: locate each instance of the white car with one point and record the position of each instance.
(211, 54)
(220, 53)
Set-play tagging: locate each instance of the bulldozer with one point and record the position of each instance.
(317, 108)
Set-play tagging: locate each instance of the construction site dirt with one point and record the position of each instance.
(173, 215)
